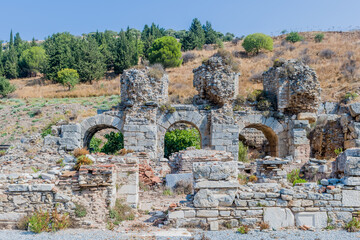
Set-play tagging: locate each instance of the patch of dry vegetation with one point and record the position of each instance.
(336, 61)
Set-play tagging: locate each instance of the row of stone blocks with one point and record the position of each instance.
(276, 217)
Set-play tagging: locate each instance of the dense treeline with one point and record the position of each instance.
(91, 55)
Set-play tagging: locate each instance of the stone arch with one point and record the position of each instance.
(273, 130)
(92, 125)
(193, 117)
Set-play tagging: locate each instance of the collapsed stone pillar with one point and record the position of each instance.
(216, 79)
(294, 85)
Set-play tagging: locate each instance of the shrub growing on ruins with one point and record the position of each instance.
(80, 152)
(243, 229)
(319, 37)
(167, 51)
(121, 212)
(156, 71)
(253, 43)
(6, 87)
(115, 142)
(294, 177)
(353, 225)
(177, 140)
(82, 160)
(41, 221)
(294, 37)
(68, 77)
(227, 59)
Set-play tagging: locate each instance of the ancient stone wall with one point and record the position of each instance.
(96, 187)
(220, 199)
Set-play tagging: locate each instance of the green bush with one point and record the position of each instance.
(243, 229)
(253, 43)
(68, 77)
(177, 140)
(115, 142)
(294, 37)
(95, 145)
(319, 37)
(167, 51)
(6, 87)
(254, 95)
(243, 153)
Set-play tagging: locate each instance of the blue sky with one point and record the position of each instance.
(41, 18)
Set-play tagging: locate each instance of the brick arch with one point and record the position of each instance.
(271, 128)
(194, 118)
(92, 125)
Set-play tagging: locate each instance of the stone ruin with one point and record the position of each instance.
(143, 117)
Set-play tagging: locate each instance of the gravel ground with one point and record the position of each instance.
(80, 234)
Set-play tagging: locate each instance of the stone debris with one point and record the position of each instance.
(147, 176)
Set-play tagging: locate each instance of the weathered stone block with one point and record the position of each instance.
(18, 188)
(279, 217)
(173, 179)
(316, 220)
(354, 109)
(205, 198)
(351, 198)
(207, 213)
(176, 214)
(42, 187)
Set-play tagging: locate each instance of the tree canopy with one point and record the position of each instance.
(167, 51)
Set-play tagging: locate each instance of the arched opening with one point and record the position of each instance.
(181, 135)
(257, 141)
(104, 138)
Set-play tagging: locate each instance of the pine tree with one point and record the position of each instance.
(11, 64)
(1, 59)
(210, 34)
(90, 63)
(195, 37)
(126, 53)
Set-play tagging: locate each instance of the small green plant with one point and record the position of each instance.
(227, 224)
(338, 151)
(260, 205)
(2, 153)
(350, 96)
(243, 152)
(207, 107)
(294, 37)
(121, 212)
(80, 210)
(167, 192)
(242, 178)
(35, 170)
(47, 130)
(167, 108)
(300, 180)
(293, 177)
(319, 37)
(243, 229)
(353, 225)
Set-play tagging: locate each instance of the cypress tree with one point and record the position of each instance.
(90, 63)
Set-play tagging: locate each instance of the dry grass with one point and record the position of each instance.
(39, 88)
(80, 152)
(332, 81)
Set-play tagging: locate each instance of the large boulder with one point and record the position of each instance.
(216, 79)
(294, 85)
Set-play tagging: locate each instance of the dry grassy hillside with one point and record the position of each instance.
(327, 58)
